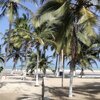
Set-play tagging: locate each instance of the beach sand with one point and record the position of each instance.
(83, 88)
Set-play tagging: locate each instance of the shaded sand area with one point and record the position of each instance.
(84, 89)
(17, 89)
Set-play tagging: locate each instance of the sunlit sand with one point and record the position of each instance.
(15, 88)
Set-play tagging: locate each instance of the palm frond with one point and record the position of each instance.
(48, 7)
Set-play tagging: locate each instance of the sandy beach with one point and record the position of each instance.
(86, 88)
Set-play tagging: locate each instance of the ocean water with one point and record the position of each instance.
(93, 68)
(10, 67)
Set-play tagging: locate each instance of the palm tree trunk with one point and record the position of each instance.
(71, 82)
(43, 88)
(10, 25)
(14, 66)
(73, 57)
(62, 65)
(72, 69)
(56, 63)
(58, 70)
(22, 62)
(56, 67)
(59, 65)
(5, 58)
(4, 66)
(44, 71)
(37, 83)
(26, 61)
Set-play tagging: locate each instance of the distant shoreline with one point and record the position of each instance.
(66, 71)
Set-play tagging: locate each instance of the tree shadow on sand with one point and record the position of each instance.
(18, 82)
(29, 97)
(88, 91)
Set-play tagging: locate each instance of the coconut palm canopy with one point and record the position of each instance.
(71, 23)
(65, 26)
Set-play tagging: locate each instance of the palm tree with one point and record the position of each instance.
(19, 39)
(15, 52)
(23, 29)
(88, 56)
(16, 55)
(29, 37)
(72, 22)
(45, 61)
(10, 8)
(32, 62)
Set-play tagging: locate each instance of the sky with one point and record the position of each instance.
(4, 24)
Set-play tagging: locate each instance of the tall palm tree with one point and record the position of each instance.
(15, 45)
(70, 22)
(10, 8)
(19, 39)
(30, 38)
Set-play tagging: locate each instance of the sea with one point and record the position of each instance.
(66, 68)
